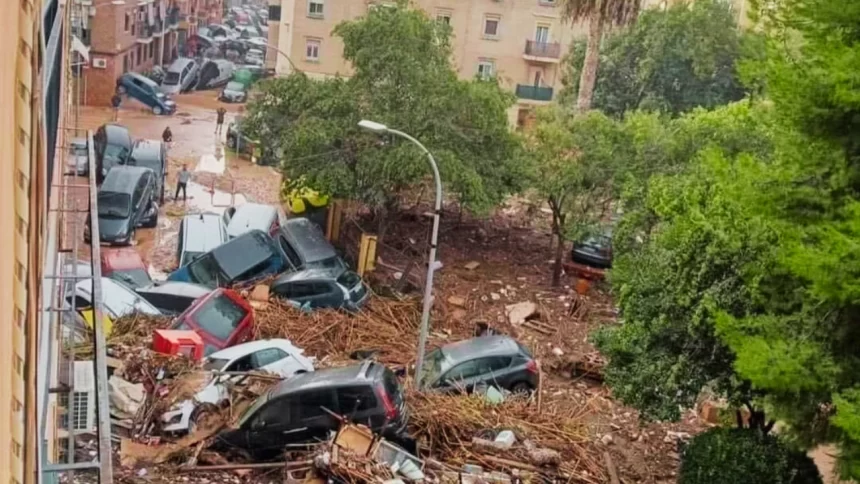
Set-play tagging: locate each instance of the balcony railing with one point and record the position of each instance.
(144, 31)
(535, 93)
(158, 26)
(173, 17)
(551, 50)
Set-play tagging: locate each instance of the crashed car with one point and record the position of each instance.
(277, 356)
(233, 92)
(126, 266)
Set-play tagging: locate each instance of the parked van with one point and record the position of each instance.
(200, 233)
(256, 216)
(151, 154)
(181, 76)
(126, 201)
(252, 256)
(146, 91)
(112, 144)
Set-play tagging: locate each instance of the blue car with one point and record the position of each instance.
(249, 257)
(146, 91)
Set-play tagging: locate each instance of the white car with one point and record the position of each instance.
(278, 356)
(117, 298)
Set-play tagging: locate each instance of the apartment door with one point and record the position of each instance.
(538, 78)
(542, 34)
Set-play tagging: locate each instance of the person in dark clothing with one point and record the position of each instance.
(219, 123)
(182, 183)
(167, 135)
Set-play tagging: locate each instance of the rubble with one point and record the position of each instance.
(518, 313)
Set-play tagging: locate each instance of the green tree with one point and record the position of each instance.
(730, 456)
(402, 78)
(575, 161)
(600, 13)
(670, 61)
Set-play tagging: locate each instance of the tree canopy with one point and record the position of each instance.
(402, 78)
(670, 61)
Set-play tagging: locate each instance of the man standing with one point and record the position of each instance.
(182, 183)
(220, 122)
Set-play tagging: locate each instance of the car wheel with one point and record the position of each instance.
(131, 236)
(156, 110)
(231, 142)
(201, 415)
(121, 89)
(521, 388)
(154, 222)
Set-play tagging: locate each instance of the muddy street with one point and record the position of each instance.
(219, 178)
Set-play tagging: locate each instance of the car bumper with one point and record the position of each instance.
(178, 420)
(593, 260)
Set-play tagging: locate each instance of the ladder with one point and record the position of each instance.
(71, 217)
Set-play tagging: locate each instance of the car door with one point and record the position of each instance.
(461, 377)
(271, 427)
(357, 403)
(329, 295)
(136, 199)
(313, 422)
(292, 256)
(277, 361)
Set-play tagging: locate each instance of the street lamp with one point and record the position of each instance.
(279, 51)
(431, 262)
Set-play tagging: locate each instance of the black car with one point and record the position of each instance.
(112, 144)
(293, 411)
(594, 251)
(498, 361)
(322, 288)
(126, 200)
(306, 247)
(172, 297)
(151, 154)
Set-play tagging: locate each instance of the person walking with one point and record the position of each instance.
(167, 135)
(182, 183)
(219, 124)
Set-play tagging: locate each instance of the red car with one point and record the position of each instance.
(126, 266)
(222, 318)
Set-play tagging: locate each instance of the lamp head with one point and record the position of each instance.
(373, 126)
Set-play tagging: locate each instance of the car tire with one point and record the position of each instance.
(522, 388)
(131, 237)
(121, 89)
(154, 222)
(231, 142)
(156, 110)
(200, 414)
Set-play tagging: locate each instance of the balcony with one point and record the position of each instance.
(158, 27)
(542, 51)
(173, 17)
(144, 33)
(534, 93)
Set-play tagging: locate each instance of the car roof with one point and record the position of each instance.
(149, 148)
(250, 216)
(122, 179)
(117, 296)
(308, 274)
(179, 288)
(243, 349)
(121, 259)
(180, 64)
(203, 230)
(308, 240)
(114, 129)
(234, 256)
(327, 377)
(479, 347)
(141, 78)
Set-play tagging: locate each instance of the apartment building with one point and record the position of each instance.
(521, 42)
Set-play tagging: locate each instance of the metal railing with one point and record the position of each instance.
(173, 17)
(158, 26)
(144, 31)
(535, 93)
(550, 50)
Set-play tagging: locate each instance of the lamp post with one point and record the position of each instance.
(431, 262)
(279, 51)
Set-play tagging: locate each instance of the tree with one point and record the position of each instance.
(575, 161)
(670, 61)
(599, 14)
(730, 456)
(402, 78)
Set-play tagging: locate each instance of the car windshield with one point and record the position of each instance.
(115, 152)
(434, 365)
(172, 78)
(330, 263)
(204, 270)
(149, 162)
(114, 205)
(235, 86)
(220, 316)
(215, 364)
(133, 278)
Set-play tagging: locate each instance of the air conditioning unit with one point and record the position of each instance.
(99, 63)
(82, 401)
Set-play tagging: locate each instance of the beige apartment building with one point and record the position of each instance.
(521, 42)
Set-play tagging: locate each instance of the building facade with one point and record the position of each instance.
(521, 42)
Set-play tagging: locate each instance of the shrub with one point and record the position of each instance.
(737, 456)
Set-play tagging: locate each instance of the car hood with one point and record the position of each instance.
(230, 92)
(113, 228)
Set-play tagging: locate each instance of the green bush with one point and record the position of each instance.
(740, 456)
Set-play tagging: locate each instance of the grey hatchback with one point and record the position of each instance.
(498, 361)
(322, 288)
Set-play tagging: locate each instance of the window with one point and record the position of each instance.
(275, 413)
(274, 13)
(125, 63)
(486, 68)
(80, 402)
(491, 27)
(220, 316)
(127, 24)
(268, 356)
(356, 399)
(139, 54)
(310, 404)
(290, 252)
(443, 17)
(131, 57)
(463, 371)
(312, 50)
(542, 34)
(315, 8)
(151, 50)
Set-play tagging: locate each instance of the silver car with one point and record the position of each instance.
(181, 76)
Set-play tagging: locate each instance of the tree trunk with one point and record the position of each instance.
(589, 65)
(559, 255)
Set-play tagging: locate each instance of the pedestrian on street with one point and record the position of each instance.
(182, 183)
(220, 122)
(167, 135)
